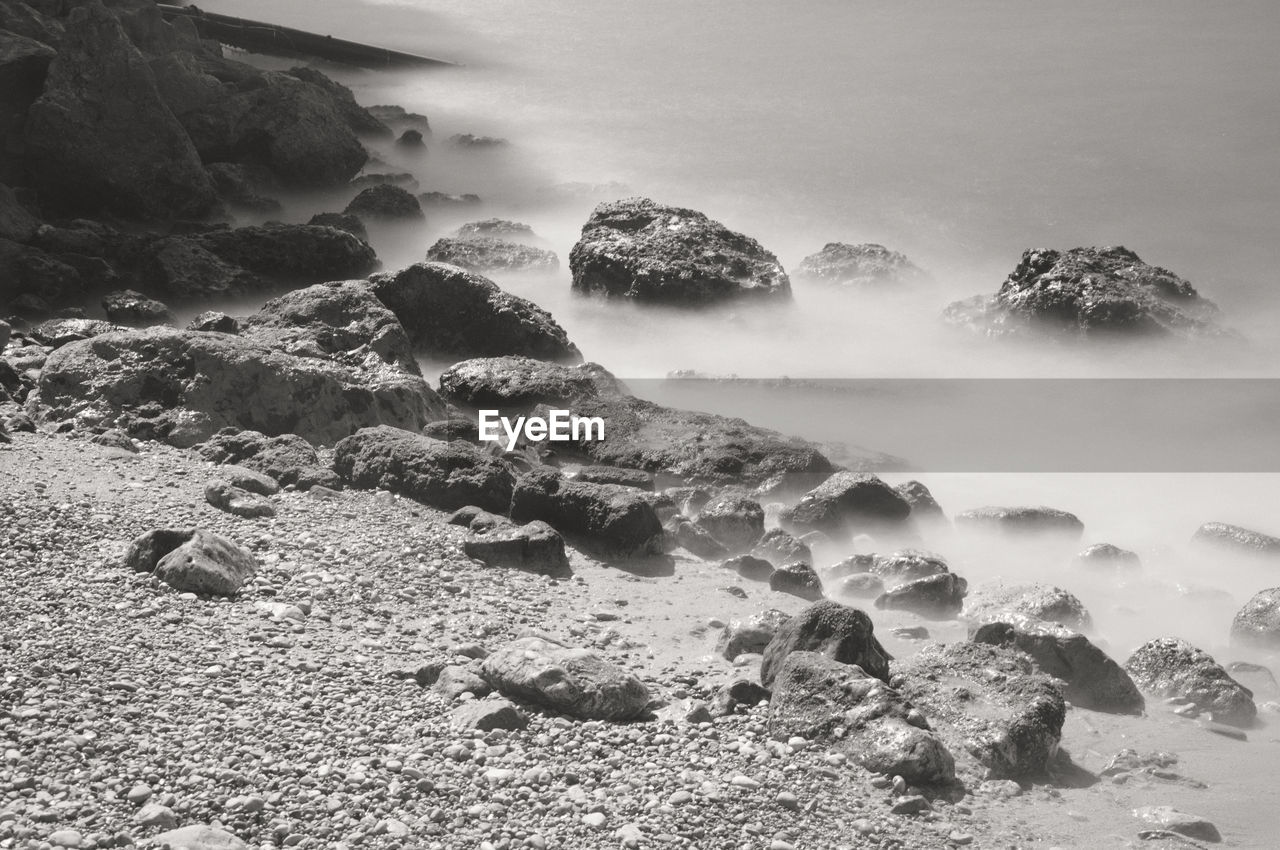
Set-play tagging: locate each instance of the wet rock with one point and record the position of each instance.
(291, 252)
(1020, 521)
(572, 681)
(447, 310)
(1171, 667)
(1093, 680)
(797, 580)
(937, 597)
(749, 567)
(839, 706)
(493, 255)
(898, 568)
(355, 116)
(213, 321)
(994, 601)
(924, 507)
(182, 267)
(637, 478)
(844, 634)
(1170, 819)
(442, 475)
(863, 265)
(645, 251)
(497, 228)
(237, 501)
(1104, 556)
(736, 521)
(782, 547)
(384, 201)
(750, 635)
(342, 221)
(1088, 293)
(128, 307)
(535, 546)
(488, 714)
(519, 384)
(861, 586)
(1234, 538)
(1257, 624)
(848, 502)
(607, 519)
(286, 458)
(193, 561)
(448, 199)
(242, 186)
(694, 538)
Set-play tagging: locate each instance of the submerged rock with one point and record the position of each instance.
(607, 519)
(1171, 667)
(646, 251)
(1020, 521)
(844, 634)
(994, 601)
(1234, 538)
(1105, 556)
(497, 228)
(576, 682)
(491, 255)
(862, 265)
(1257, 624)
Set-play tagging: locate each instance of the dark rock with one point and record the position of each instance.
(116, 439)
(938, 597)
(535, 546)
(31, 276)
(519, 384)
(848, 502)
(488, 714)
(798, 580)
(287, 458)
(899, 568)
(1233, 538)
(736, 521)
(1257, 624)
(127, 307)
(17, 224)
(212, 321)
(443, 475)
(839, 706)
(1093, 680)
(606, 518)
(342, 221)
(403, 179)
(650, 252)
(24, 66)
(737, 694)
(637, 478)
(923, 506)
(384, 201)
(355, 116)
(146, 550)
(1104, 556)
(291, 252)
(993, 602)
(1021, 521)
(863, 265)
(844, 634)
(1088, 293)
(182, 267)
(492, 255)
(694, 539)
(242, 186)
(411, 139)
(750, 635)
(225, 496)
(749, 567)
(193, 561)
(453, 428)
(1171, 667)
(447, 310)
(396, 116)
(497, 228)
(781, 547)
(576, 682)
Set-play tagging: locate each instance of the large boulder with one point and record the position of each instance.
(182, 267)
(24, 64)
(492, 255)
(1088, 293)
(993, 601)
(1020, 521)
(450, 311)
(443, 475)
(194, 561)
(1171, 667)
(924, 508)
(534, 546)
(384, 201)
(937, 597)
(576, 682)
(182, 387)
(798, 580)
(848, 502)
(606, 519)
(291, 252)
(1257, 624)
(1093, 680)
(857, 266)
(898, 568)
(101, 139)
(649, 252)
(841, 707)
(1236, 539)
(287, 458)
(844, 634)
(736, 521)
(517, 385)
(127, 307)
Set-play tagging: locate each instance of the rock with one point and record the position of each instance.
(534, 546)
(994, 601)
(1093, 680)
(1104, 556)
(197, 837)
(453, 681)
(839, 706)
(384, 201)
(296, 253)
(1020, 521)
(447, 310)
(115, 439)
(443, 475)
(1257, 624)
(468, 140)
(1171, 820)
(497, 228)
(341, 221)
(127, 307)
(848, 502)
(751, 635)
(355, 116)
(637, 478)
(649, 252)
(192, 561)
(249, 479)
(56, 333)
(993, 707)
(737, 694)
(607, 519)
(735, 521)
(212, 321)
(924, 507)
(234, 500)
(798, 580)
(844, 634)
(863, 265)
(488, 714)
(16, 223)
(1233, 538)
(411, 139)
(492, 255)
(66, 838)
(154, 814)
(448, 199)
(694, 539)
(100, 139)
(1171, 667)
(519, 384)
(181, 387)
(938, 597)
(576, 682)
(5, 330)
(182, 267)
(242, 186)
(1089, 293)
(899, 568)
(781, 547)
(287, 458)
(749, 567)
(861, 586)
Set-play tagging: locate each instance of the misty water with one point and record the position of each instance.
(960, 134)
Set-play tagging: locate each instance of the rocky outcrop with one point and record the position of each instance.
(487, 254)
(572, 681)
(994, 601)
(1171, 667)
(534, 546)
(1236, 539)
(56, 333)
(286, 458)
(1089, 293)
(648, 252)
(856, 266)
(443, 475)
(841, 707)
(844, 634)
(736, 521)
(192, 561)
(848, 502)
(1020, 521)
(1257, 624)
(450, 311)
(605, 519)
(937, 597)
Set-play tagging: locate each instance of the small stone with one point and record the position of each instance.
(912, 805)
(788, 800)
(139, 794)
(66, 838)
(595, 820)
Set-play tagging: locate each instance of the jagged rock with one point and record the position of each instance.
(447, 310)
(342, 221)
(782, 547)
(287, 458)
(194, 561)
(1257, 624)
(750, 635)
(605, 518)
(1234, 538)
(839, 706)
(384, 201)
(862, 265)
(735, 521)
(649, 252)
(492, 255)
(225, 496)
(355, 116)
(133, 308)
(844, 634)
(798, 580)
(442, 475)
(1171, 667)
(994, 601)
(1021, 521)
(56, 333)
(1093, 680)
(576, 682)
(637, 478)
(848, 502)
(213, 321)
(749, 567)
(937, 597)
(534, 546)
(1105, 556)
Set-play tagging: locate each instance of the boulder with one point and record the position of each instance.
(214, 321)
(1021, 521)
(645, 251)
(848, 502)
(840, 707)
(861, 586)
(534, 546)
(24, 66)
(857, 266)
(342, 221)
(242, 186)
(384, 201)
(286, 458)
(181, 387)
(1171, 667)
(443, 475)
(411, 139)
(994, 601)
(193, 561)
(1235, 539)
(749, 567)
(751, 635)
(56, 333)
(32, 275)
(736, 521)
(637, 478)
(782, 547)
(1169, 820)
(1105, 556)
(606, 519)
(127, 307)
(1092, 679)
(488, 714)
(735, 695)
(693, 538)
(1089, 293)
(516, 385)
(355, 116)
(497, 228)
(450, 311)
(237, 501)
(1257, 624)
(249, 479)
(565, 679)
(798, 580)
(898, 568)
(17, 224)
(937, 597)
(988, 703)
(100, 138)
(291, 252)
(845, 634)
(492, 255)
(923, 506)
(182, 267)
